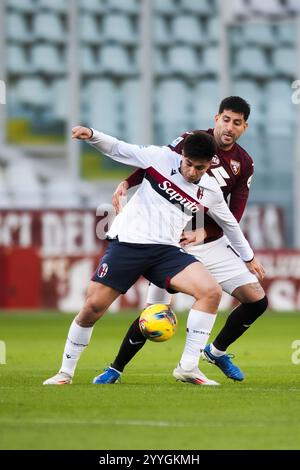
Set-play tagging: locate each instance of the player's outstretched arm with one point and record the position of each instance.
(82, 133)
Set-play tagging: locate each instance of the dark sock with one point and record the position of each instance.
(128, 350)
(238, 322)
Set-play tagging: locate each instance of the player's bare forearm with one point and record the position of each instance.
(191, 238)
(82, 133)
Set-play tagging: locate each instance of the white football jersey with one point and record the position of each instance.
(165, 202)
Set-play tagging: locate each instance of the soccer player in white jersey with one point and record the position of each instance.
(144, 240)
(232, 167)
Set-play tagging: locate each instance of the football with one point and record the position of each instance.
(158, 323)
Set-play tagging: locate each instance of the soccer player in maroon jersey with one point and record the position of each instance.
(232, 167)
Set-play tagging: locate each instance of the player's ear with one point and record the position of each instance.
(217, 117)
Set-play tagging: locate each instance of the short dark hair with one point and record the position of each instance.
(237, 105)
(199, 146)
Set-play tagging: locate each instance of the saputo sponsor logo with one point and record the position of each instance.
(174, 195)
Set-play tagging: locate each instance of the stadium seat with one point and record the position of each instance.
(103, 105)
(25, 6)
(251, 92)
(165, 7)
(251, 62)
(196, 7)
(128, 6)
(117, 28)
(131, 99)
(23, 184)
(206, 99)
(90, 33)
(17, 61)
(173, 100)
(89, 61)
(33, 92)
(211, 61)
(186, 29)
(160, 64)
(59, 6)
(161, 31)
(258, 34)
(213, 31)
(280, 110)
(115, 60)
(284, 60)
(286, 34)
(95, 7)
(47, 26)
(16, 29)
(184, 60)
(59, 104)
(267, 7)
(62, 193)
(46, 59)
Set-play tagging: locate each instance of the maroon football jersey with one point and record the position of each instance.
(233, 169)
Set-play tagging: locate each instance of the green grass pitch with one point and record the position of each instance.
(149, 409)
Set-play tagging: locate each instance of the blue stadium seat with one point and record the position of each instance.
(251, 92)
(284, 60)
(59, 102)
(160, 64)
(196, 7)
(48, 26)
(17, 61)
(211, 61)
(117, 28)
(280, 113)
(16, 29)
(240, 7)
(293, 6)
(165, 7)
(173, 100)
(186, 29)
(24, 6)
(128, 6)
(89, 61)
(251, 62)
(90, 33)
(33, 91)
(213, 31)
(286, 34)
(46, 59)
(184, 60)
(58, 6)
(206, 99)
(115, 60)
(161, 31)
(103, 105)
(132, 112)
(5, 199)
(95, 7)
(259, 34)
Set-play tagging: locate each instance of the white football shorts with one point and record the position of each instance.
(221, 260)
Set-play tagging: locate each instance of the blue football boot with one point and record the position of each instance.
(109, 376)
(224, 363)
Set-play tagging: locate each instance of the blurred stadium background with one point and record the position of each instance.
(144, 71)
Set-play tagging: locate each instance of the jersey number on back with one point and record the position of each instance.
(221, 175)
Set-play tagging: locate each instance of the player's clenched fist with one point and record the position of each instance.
(82, 133)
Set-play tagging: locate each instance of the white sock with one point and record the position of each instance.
(199, 326)
(216, 352)
(77, 341)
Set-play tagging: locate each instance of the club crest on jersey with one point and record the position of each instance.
(235, 167)
(215, 160)
(102, 271)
